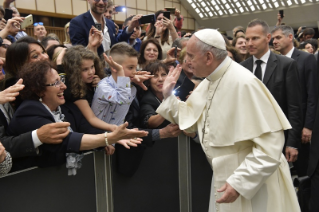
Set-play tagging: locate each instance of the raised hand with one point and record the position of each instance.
(171, 80)
(122, 133)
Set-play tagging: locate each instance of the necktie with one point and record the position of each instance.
(258, 72)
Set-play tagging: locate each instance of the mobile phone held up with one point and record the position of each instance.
(167, 14)
(145, 19)
(281, 12)
(120, 9)
(170, 9)
(28, 21)
(98, 27)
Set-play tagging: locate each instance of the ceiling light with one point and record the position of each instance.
(252, 8)
(203, 4)
(231, 11)
(289, 2)
(211, 14)
(193, 5)
(200, 15)
(264, 6)
(241, 9)
(227, 6)
(220, 12)
(207, 9)
(197, 10)
(276, 4)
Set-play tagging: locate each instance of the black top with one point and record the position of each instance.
(69, 97)
(149, 104)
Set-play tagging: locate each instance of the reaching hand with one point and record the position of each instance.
(130, 142)
(171, 80)
(171, 130)
(140, 77)
(167, 24)
(229, 196)
(170, 58)
(134, 23)
(9, 94)
(115, 67)
(122, 133)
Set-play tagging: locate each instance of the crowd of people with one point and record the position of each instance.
(90, 92)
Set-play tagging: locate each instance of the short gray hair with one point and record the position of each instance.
(219, 54)
(286, 30)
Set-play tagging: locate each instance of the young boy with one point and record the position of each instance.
(114, 94)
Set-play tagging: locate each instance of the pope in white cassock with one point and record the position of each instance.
(240, 126)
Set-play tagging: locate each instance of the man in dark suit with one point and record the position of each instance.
(280, 75)
(80, 27)
(283, 37)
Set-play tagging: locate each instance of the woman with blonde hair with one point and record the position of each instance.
(67, 41)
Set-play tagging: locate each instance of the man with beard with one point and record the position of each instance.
(80, 27)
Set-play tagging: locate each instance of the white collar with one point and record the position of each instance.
(219, 67)
(289, 54)
(264, 58)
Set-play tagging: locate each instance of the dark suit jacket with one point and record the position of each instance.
(307, 69)
(18, 146)
(80, 27)
(32, 115)
(128, 160)
(281, 78)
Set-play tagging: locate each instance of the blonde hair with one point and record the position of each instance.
(66, 35)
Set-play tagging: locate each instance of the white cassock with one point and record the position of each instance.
(240, 126)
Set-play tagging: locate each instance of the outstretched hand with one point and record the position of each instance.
(140, 77)
(171, 80)
(121, 132)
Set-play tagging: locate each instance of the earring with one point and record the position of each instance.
(40, 99)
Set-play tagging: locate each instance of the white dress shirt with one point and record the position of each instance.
(106, 43)
(289, 54)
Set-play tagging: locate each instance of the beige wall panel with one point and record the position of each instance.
(130, 11)
(131, 3)
(79, 7)
(63, 6)
(144, 12)
(159, 5)
(141, 4)
(185, 23)
(177, 6)
(168, 4)
(120, 2)
(26, 4)
(46, 5)
(150, 12)
(175, 0)
(151, 5)
(191, 24)
(183, 11)
(120, 17)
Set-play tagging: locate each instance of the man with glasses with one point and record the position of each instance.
(81, 25)
(39, 31)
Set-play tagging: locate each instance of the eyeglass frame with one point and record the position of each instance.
(104, 1)
(38, 23)
(57, 83)
(4, 45)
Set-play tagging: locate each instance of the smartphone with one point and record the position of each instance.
(167, 14)
(98, 27)
(183, 90)
(145, 19)
(281, 12)
(8, 14)
(175, 51)
(27, 22)
(120, 9)
(170, 9)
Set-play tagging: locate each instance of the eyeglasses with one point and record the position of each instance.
(104, 1)
(5, 45)
(39, 23)
(57, 83)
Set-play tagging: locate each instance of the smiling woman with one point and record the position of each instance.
(153, 97)
(150, 51)
(41, 106)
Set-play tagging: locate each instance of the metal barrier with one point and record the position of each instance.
(173, 176)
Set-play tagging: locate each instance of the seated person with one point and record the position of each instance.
(153, 97)
(114, 94)
(41, 106)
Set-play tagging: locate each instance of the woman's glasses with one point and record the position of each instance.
(104, 1)
(57, 83)
(39, 23)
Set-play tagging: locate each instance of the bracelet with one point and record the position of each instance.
(106, 142)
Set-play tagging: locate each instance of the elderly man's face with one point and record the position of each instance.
(195, 58)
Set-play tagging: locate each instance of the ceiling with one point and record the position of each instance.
(226, 14)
